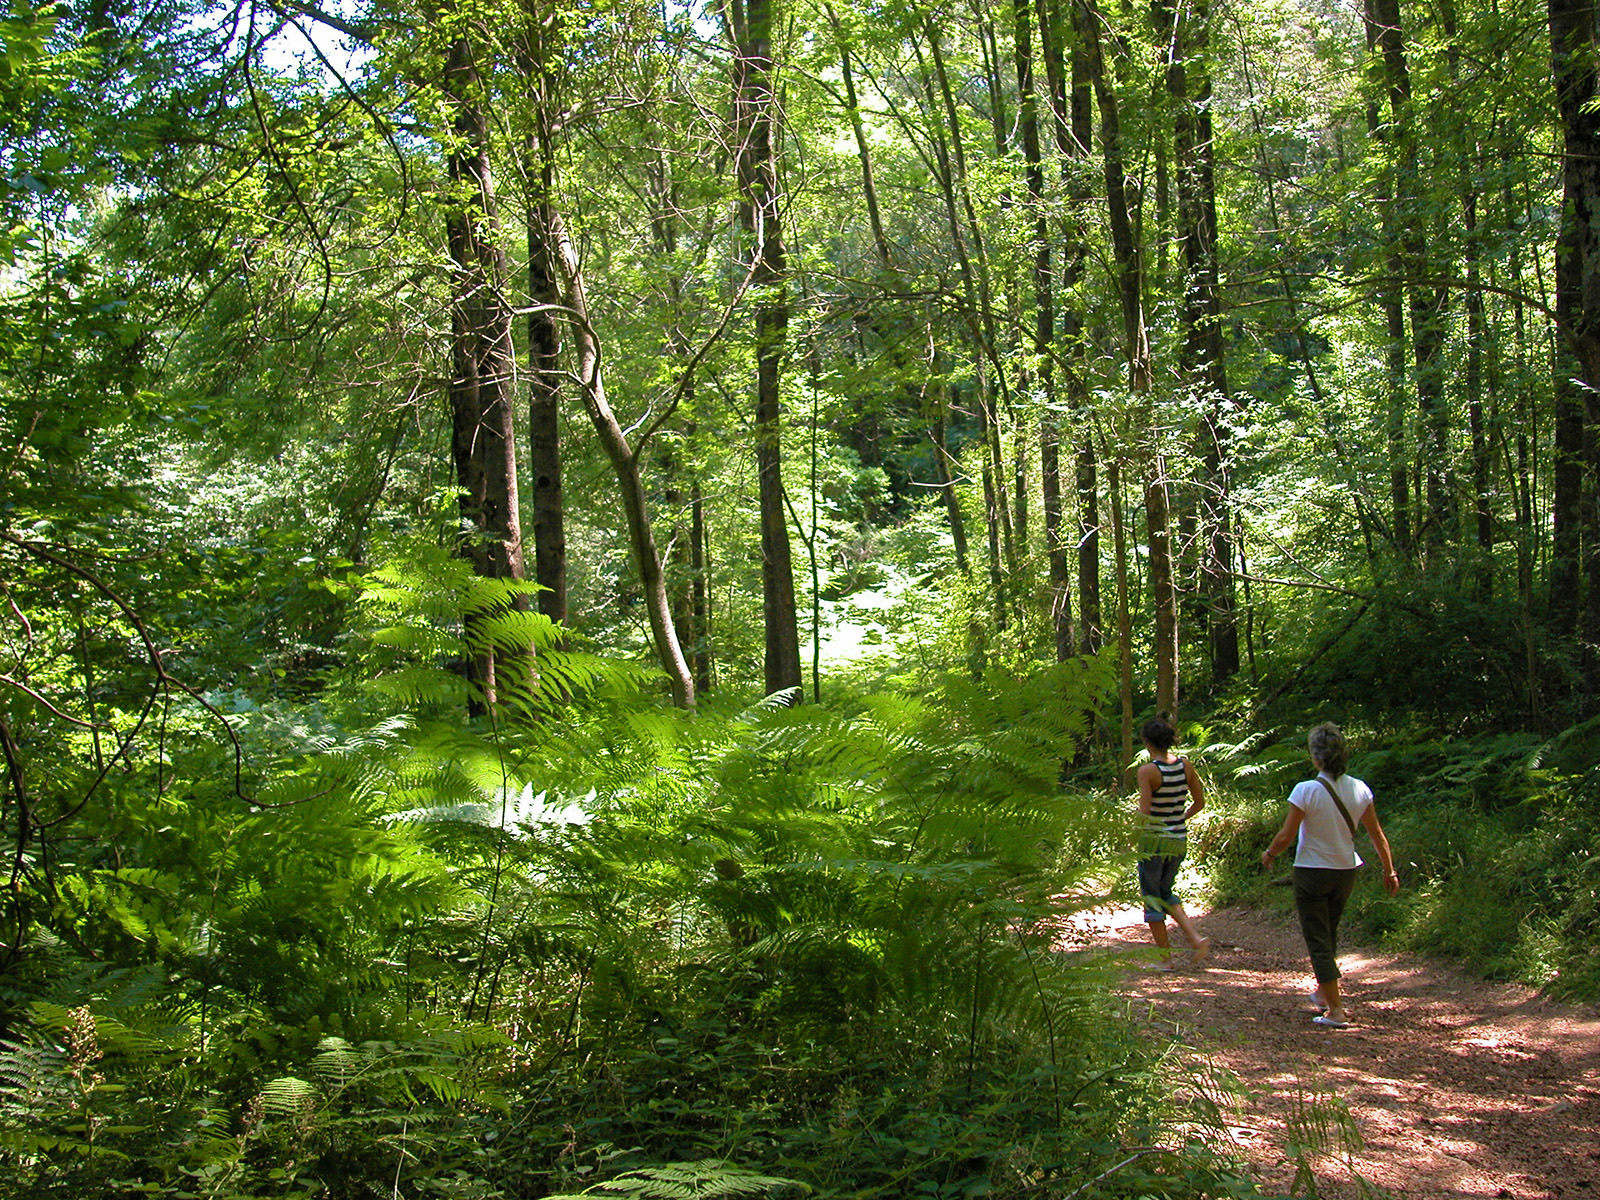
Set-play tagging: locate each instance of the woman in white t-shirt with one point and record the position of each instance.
(1325, 859)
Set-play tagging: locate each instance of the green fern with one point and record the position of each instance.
(705, 1180)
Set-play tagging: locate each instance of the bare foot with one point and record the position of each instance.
(1200, 951)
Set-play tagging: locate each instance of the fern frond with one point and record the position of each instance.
(708, 1179)
(288, 1095)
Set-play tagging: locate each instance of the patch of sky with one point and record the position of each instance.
(319, 45)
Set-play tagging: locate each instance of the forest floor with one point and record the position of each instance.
(1457, 1087)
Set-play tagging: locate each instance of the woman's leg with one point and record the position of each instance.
(1319, 899)
(1151, 887)
(1338, 897)
(1198, 943)
(1312, 888)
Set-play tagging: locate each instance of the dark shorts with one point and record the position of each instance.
(1157, 874)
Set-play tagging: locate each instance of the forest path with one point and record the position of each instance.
(1458, 1087)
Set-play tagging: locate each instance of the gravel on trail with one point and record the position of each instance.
(1454, 1086)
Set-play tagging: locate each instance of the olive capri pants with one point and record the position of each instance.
(1320, 894)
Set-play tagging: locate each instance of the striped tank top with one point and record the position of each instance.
(1169, 800)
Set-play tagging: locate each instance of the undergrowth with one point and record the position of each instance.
(591, 945)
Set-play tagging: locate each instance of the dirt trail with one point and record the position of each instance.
(1458, 1087)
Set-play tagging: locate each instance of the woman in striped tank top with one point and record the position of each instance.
(1169, 794)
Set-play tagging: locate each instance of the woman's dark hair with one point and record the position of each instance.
(1328, 750)
(1159, 733)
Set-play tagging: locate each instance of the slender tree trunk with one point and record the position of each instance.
(1575, 50)
(994, 507)
(483, 438)
(938, 424)
(1043, 338)
(1389, 295)
(686, 551)
(1201, 363)
(1466, 151)
(1072, 97)
(1425, 305)
(756, 126)
(1127, 252)
(700, 591)
(869, 184)
(544, 334)
(625, 463)
(1119, 543)
(951, 153)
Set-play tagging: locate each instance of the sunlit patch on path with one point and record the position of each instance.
(1456, 1087)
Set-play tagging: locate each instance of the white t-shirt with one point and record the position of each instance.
(1325, 839)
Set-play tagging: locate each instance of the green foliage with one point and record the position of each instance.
(1429, 648)
(686, 1181)
(589, 940)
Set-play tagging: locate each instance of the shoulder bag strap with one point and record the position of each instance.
(1343, 812)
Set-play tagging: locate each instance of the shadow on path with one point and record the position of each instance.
(1458, 1087)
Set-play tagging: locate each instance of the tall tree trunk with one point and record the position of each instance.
(869, 184)
(1389, 296)
(994, 506)
(1575, 57)
(938, 425)
(1119, 544)
(756, 127)
(1072, 99)
(967, 240)
(544, 329)
(483, 438)
(1466, 152)
(1426, 305)
(700, 592)
(938, 419)
(1127, 252)
(1043, 338)
(1201, 364)
(686, 551)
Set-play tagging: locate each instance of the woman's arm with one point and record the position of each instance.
(1197, 791)
(1380, 843)
(1149, 778)
(1280, 843)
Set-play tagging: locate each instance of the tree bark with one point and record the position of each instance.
(1574, 46)
(1119, 544)
(483, 438)
(1478, 336)
(1129, 259)
(544, 331)
(1072, 97)
(1201, 365)
(1043, 339)
(1389, 295)
(869, 185)
(755, 125)
(1425, 305)
(625, 463)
